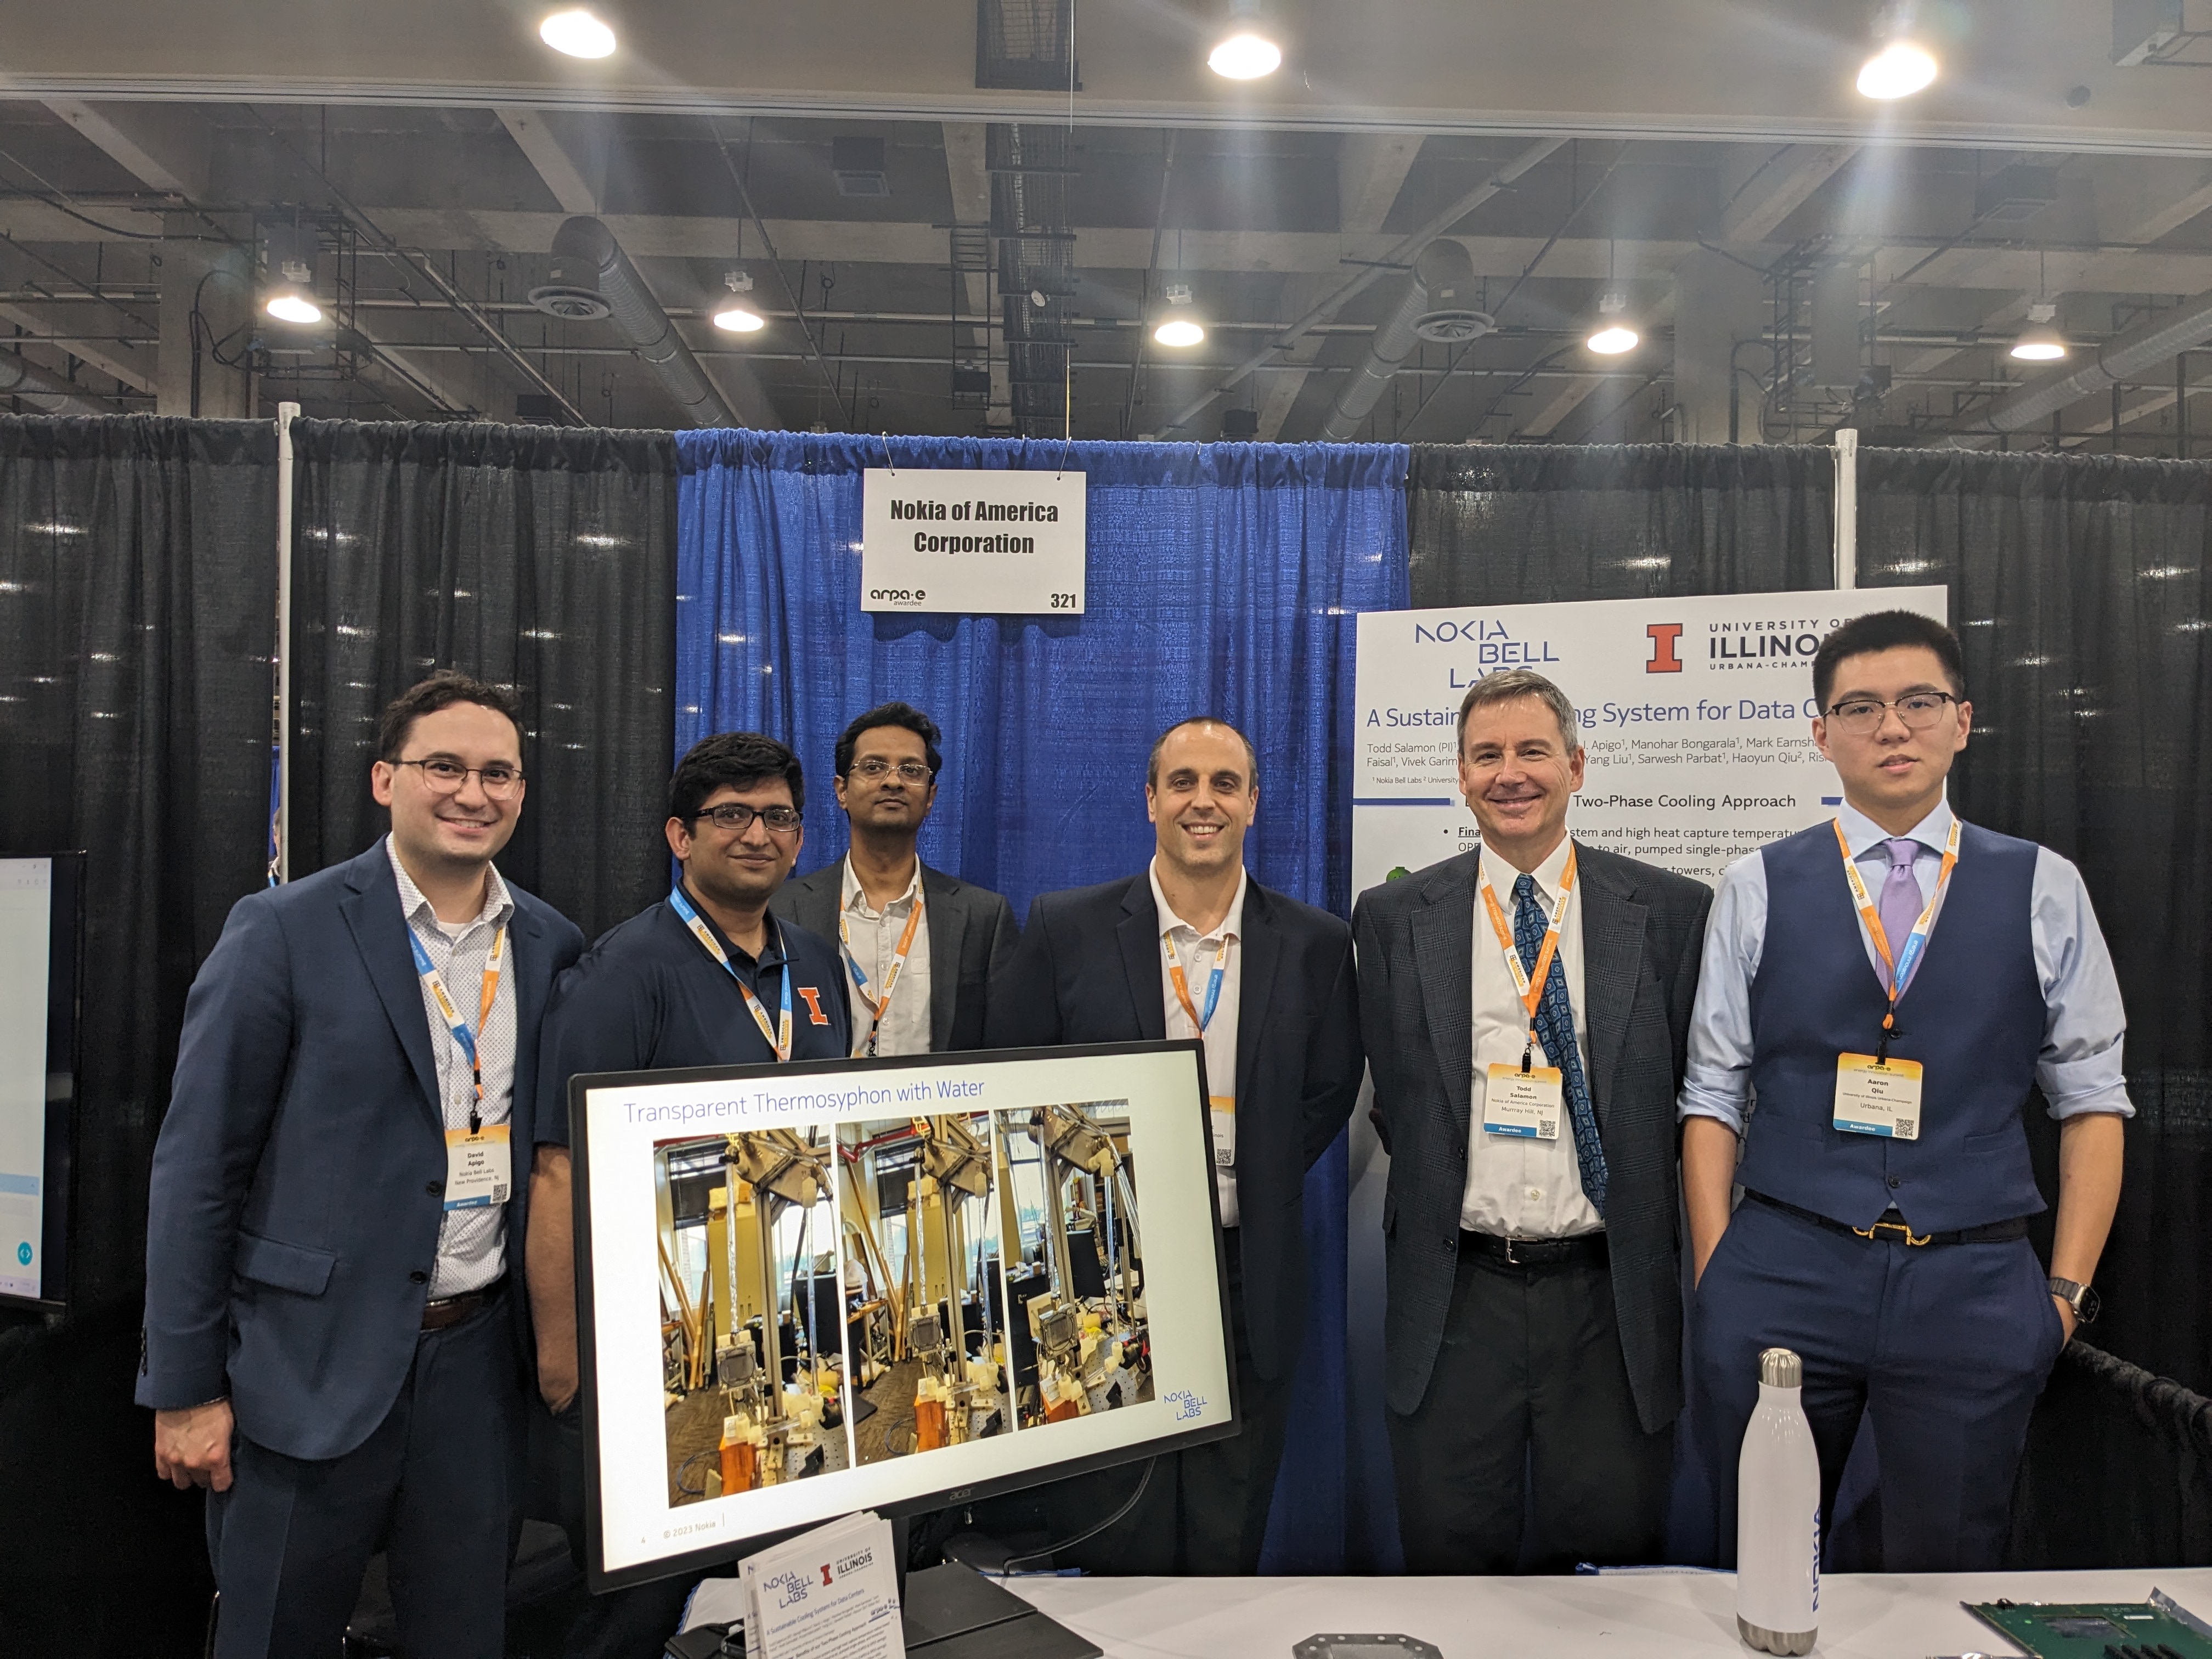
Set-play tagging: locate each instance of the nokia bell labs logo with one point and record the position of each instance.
(1664, 637)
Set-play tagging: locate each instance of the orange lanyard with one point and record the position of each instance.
(1899, 965)
(867, 1044)
(1531, 987)
(779, 1035)
(464, 1038)
(1198, 1022)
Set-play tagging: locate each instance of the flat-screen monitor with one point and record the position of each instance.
(41, 921)
(701, 1442)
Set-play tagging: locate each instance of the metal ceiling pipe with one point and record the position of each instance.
(48, 393)
(1442, 280)
(586, 242)
(2121, 358)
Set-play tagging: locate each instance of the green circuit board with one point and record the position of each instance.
(2097, 1630)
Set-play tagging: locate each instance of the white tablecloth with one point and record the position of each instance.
(1628, 1616)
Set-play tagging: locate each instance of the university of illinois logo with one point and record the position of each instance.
(1664, 636)
(814, 1005)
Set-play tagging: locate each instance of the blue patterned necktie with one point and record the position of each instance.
(1555, 1028)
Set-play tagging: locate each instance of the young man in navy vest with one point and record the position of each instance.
(1887, 987)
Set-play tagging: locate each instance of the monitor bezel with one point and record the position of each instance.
(727, 1550)
(65, 920)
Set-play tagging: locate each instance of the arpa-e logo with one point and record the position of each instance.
(1664, 637)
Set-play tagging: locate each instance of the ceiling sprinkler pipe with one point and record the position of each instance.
(2122, 358)
(1442, 280)
(48, 393)
(634, 310)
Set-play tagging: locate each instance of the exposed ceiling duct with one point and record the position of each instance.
(592, 276)
(2124, 357)
(1434, 308)
(48, 393)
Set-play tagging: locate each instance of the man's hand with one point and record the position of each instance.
(192, 1447)
(549, 1257)
(2066, 1319)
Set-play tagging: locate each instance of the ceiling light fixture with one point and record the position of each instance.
(1900, 65)
(1245, 53)
(2040, 342)
(290, 297)
(1614, 333)
(1179, 331)
(737, 317)
(577, 32)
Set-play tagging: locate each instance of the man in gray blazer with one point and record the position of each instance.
(922, 949)
(1525, 1009)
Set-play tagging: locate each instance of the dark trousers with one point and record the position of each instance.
(291, 1539)
(625, 1623)
(1204, 1513)
(1526, 1452)
(1944, 1348)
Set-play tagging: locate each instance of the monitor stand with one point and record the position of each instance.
(953, 1612)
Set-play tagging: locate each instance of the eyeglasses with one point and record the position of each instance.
(1861, 716)
(876, 768)
(445, 777)
(736, 816)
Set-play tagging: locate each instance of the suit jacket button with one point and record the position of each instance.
(1896, 1182)
(418, 1279)
(435, 1189)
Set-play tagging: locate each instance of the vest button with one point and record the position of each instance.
(418, 1277)
(1895, 1181)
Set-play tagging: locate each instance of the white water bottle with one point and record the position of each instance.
(1777, 1536)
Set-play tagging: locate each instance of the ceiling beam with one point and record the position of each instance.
(967, 174)
(1371, 171)
(546, 153)
(122, 360)
(1565, 402)
(166, 148)
(1775, 183)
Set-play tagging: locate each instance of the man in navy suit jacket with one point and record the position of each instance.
(331, 1345)
(1192, 947)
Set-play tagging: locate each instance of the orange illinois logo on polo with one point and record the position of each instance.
(814, 1004)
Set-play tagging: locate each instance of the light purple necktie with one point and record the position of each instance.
(1900, 904)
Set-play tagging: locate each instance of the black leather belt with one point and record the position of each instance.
(449, 1310)
(1582, 1250)
(1896, 1232)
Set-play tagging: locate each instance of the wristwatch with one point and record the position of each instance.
(2080, 1297)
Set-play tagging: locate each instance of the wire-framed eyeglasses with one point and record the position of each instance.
(442, 776)
(875, 769)
(1863, 716)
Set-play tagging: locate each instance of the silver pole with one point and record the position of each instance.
(1847, 509)
(285, 413)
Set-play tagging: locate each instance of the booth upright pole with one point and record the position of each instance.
(282, 852)
(1847, 509)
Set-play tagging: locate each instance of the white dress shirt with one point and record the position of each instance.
(1519, 1186)
(471, 1243)
(2078, 1067)
(1196, 951)
(873, 940)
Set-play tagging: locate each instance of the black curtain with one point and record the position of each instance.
(2081, 589)
(138, 606)
(539, 558)
(1524, 523)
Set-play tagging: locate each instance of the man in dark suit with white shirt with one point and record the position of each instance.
(922, 950)
(1192, 947)
(1525, 1008)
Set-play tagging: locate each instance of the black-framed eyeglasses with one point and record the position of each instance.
(738, 818)
(442, 776)
(1861, 716)
(876, 768)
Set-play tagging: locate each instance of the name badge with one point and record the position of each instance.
(1221, 1119)
(1523, 1103)
(479, 1168)
(1878, 1097)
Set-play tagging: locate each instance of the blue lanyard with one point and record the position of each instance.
(778, 1036)
(464, 1039)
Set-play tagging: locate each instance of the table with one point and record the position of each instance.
(1620, 1616)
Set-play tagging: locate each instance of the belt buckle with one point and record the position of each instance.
(1512, 1260)
(1897, 1227)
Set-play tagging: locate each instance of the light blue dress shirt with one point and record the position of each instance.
(2079, 1069)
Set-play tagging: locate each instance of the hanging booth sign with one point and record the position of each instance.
(974, 542)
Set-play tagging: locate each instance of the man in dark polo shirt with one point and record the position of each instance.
(706, 977)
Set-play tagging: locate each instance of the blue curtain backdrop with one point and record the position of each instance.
(1222, 579)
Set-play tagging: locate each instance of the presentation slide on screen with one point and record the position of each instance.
(819, 1290)
(1696, 715)
(25, 936)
